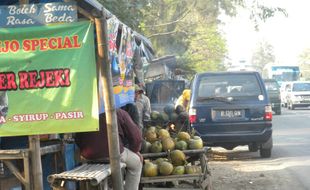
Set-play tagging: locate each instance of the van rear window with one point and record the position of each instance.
(229, 85)
(272, 85)
(301, 87)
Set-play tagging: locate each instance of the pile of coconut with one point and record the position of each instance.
(166, 137)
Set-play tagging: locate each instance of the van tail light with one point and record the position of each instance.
(192, 115)
(268, 113)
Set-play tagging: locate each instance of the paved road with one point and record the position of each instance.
(288, 167)
(292, 143)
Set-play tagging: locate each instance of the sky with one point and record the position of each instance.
(288, 35)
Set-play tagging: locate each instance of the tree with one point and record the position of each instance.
(187, 29)
(304, 63)
(206, 50)
(260, 12)
(130, 12)
(263, 54)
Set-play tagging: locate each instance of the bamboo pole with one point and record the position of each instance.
(36, 165)
(15, 171)
(105, 76)
(23, 1)
(27, 171)
(34, 147)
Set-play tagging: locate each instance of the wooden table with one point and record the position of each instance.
(7, 156)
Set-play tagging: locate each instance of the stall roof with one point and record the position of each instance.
(169, 60)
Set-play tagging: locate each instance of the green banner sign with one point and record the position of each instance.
(48, 80)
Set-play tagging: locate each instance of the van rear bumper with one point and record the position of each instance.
(298, 104)
(235, 137)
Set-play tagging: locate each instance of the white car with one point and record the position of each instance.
(298, 94)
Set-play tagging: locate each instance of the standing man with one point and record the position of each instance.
(143, 105)
(94, 146)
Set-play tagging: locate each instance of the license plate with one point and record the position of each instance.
(230, 113)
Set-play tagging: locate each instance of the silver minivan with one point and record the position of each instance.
(298, 94)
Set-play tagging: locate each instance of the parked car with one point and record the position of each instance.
(228, 109)
(298, 94)
(273, 90)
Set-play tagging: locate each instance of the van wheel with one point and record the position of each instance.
(292, 107)
(253, 147)
(265, 148)
(289, 106)
(265, 153)
(278, 111)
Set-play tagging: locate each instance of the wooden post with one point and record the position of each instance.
(23, 1)
(34, 147)
(36, 165)
(105, 76)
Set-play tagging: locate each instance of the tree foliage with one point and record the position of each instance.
(263, 54)
(260, 12)
(304, 63)
(187, 29)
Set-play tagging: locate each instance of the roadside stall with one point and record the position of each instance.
(42, 69)
(174, 157)
(53, 78)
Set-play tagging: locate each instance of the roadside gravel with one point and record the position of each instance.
(240, 169)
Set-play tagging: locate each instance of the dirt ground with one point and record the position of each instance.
(242, 170)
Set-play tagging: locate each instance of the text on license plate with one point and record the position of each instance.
(230, 113)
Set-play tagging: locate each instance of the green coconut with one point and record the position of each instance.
(156, 147)
(168, 144)
(146, 146)
(173, 117)
(178, 170)
(192, 169)
(165, 168)
(150, 135)
(195, 143)
(184, 136)
(158, 161)
(150, 169)
(163, 133)
(168, 109)
(155, 115)
(177, 157)
(164, 117)
(181, 145)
